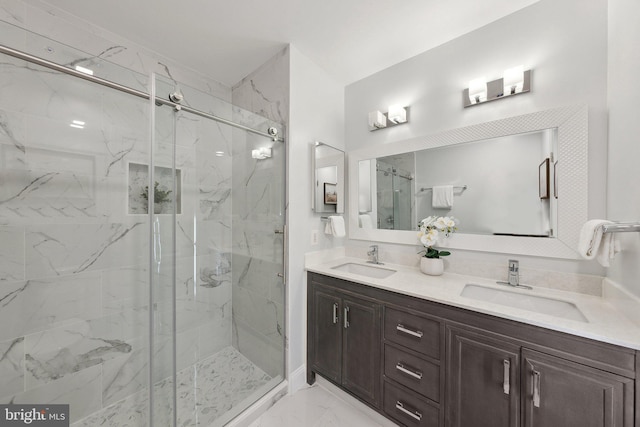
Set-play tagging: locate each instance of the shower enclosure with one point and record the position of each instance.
(141, 243)
(394, 191)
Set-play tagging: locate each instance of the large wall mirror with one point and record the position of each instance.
(516, 185)
(328, 179)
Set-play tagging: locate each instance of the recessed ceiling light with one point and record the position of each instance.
(219, 153)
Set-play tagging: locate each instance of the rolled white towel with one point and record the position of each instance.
(595, 244)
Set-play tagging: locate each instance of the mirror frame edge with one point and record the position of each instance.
(572, 125)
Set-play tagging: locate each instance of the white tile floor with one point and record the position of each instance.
(321, 405)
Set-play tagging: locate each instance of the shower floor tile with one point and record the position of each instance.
(215, 385)
(205, 392)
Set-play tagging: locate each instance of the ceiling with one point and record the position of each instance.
(349, 39)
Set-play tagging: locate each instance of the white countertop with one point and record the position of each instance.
(605, 322)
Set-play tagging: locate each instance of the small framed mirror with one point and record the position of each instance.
(328, 179)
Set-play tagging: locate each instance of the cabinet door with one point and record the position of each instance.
(558, 392)
(327, 334)
(482, 381)
(361, 349)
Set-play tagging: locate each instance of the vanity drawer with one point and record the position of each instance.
(415, 332)
(412, 372)
(408, 409)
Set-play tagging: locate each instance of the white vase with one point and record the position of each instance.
(432, 266)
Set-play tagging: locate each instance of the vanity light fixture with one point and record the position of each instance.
(397, 115)
(261, 153)
(377, 120)
(514, 81)
(478, 90)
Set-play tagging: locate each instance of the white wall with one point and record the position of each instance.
(624, 136)
(316, 114)
(563, 41)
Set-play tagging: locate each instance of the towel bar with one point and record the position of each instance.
(621, 227)
(455, 187)
(326, 218)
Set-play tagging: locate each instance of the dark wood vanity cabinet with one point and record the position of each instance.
(447, 367)
(344, 341)
(560, 392)
(483, 380)
(493, 381)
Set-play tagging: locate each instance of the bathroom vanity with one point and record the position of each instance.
(418, 352)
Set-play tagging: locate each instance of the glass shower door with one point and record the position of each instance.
(219, 297)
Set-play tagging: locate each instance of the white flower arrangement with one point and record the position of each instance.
(431, 230)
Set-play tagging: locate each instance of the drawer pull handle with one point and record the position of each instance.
(415, 374)
(404, 329)
(506, 382)
(536, 389)
(413, 414)
(335, 313)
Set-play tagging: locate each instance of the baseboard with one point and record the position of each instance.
(298, 379)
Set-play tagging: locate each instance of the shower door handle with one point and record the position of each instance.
(157, 244)
(284, 253)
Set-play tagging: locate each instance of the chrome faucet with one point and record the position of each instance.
(373, 253)
(514, 275)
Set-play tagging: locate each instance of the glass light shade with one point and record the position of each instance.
(397, 114)
(513, 80)
(478, 90)
(377, 120)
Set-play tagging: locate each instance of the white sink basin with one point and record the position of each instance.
(524, 301)
(365, 270)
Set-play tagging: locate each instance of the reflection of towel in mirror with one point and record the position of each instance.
(595, 244)
(335, 226)
(442, 196)
(365, 221)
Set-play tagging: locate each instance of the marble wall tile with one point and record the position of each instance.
(12, 11)
(215, 334)
(71, 249)
(256, 347)
(124, 375)
(59, 352)
(125, 289)
(130, 412)
(42, 304)
(81, 390)
(12, 366)
(11, 253)
(257, 311)
(265, 91)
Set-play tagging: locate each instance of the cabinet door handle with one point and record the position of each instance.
(409, 371)
(335, 313)
(346, 317)
(536, 389)
(506, 382)
(407, 331)
(413, 414)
